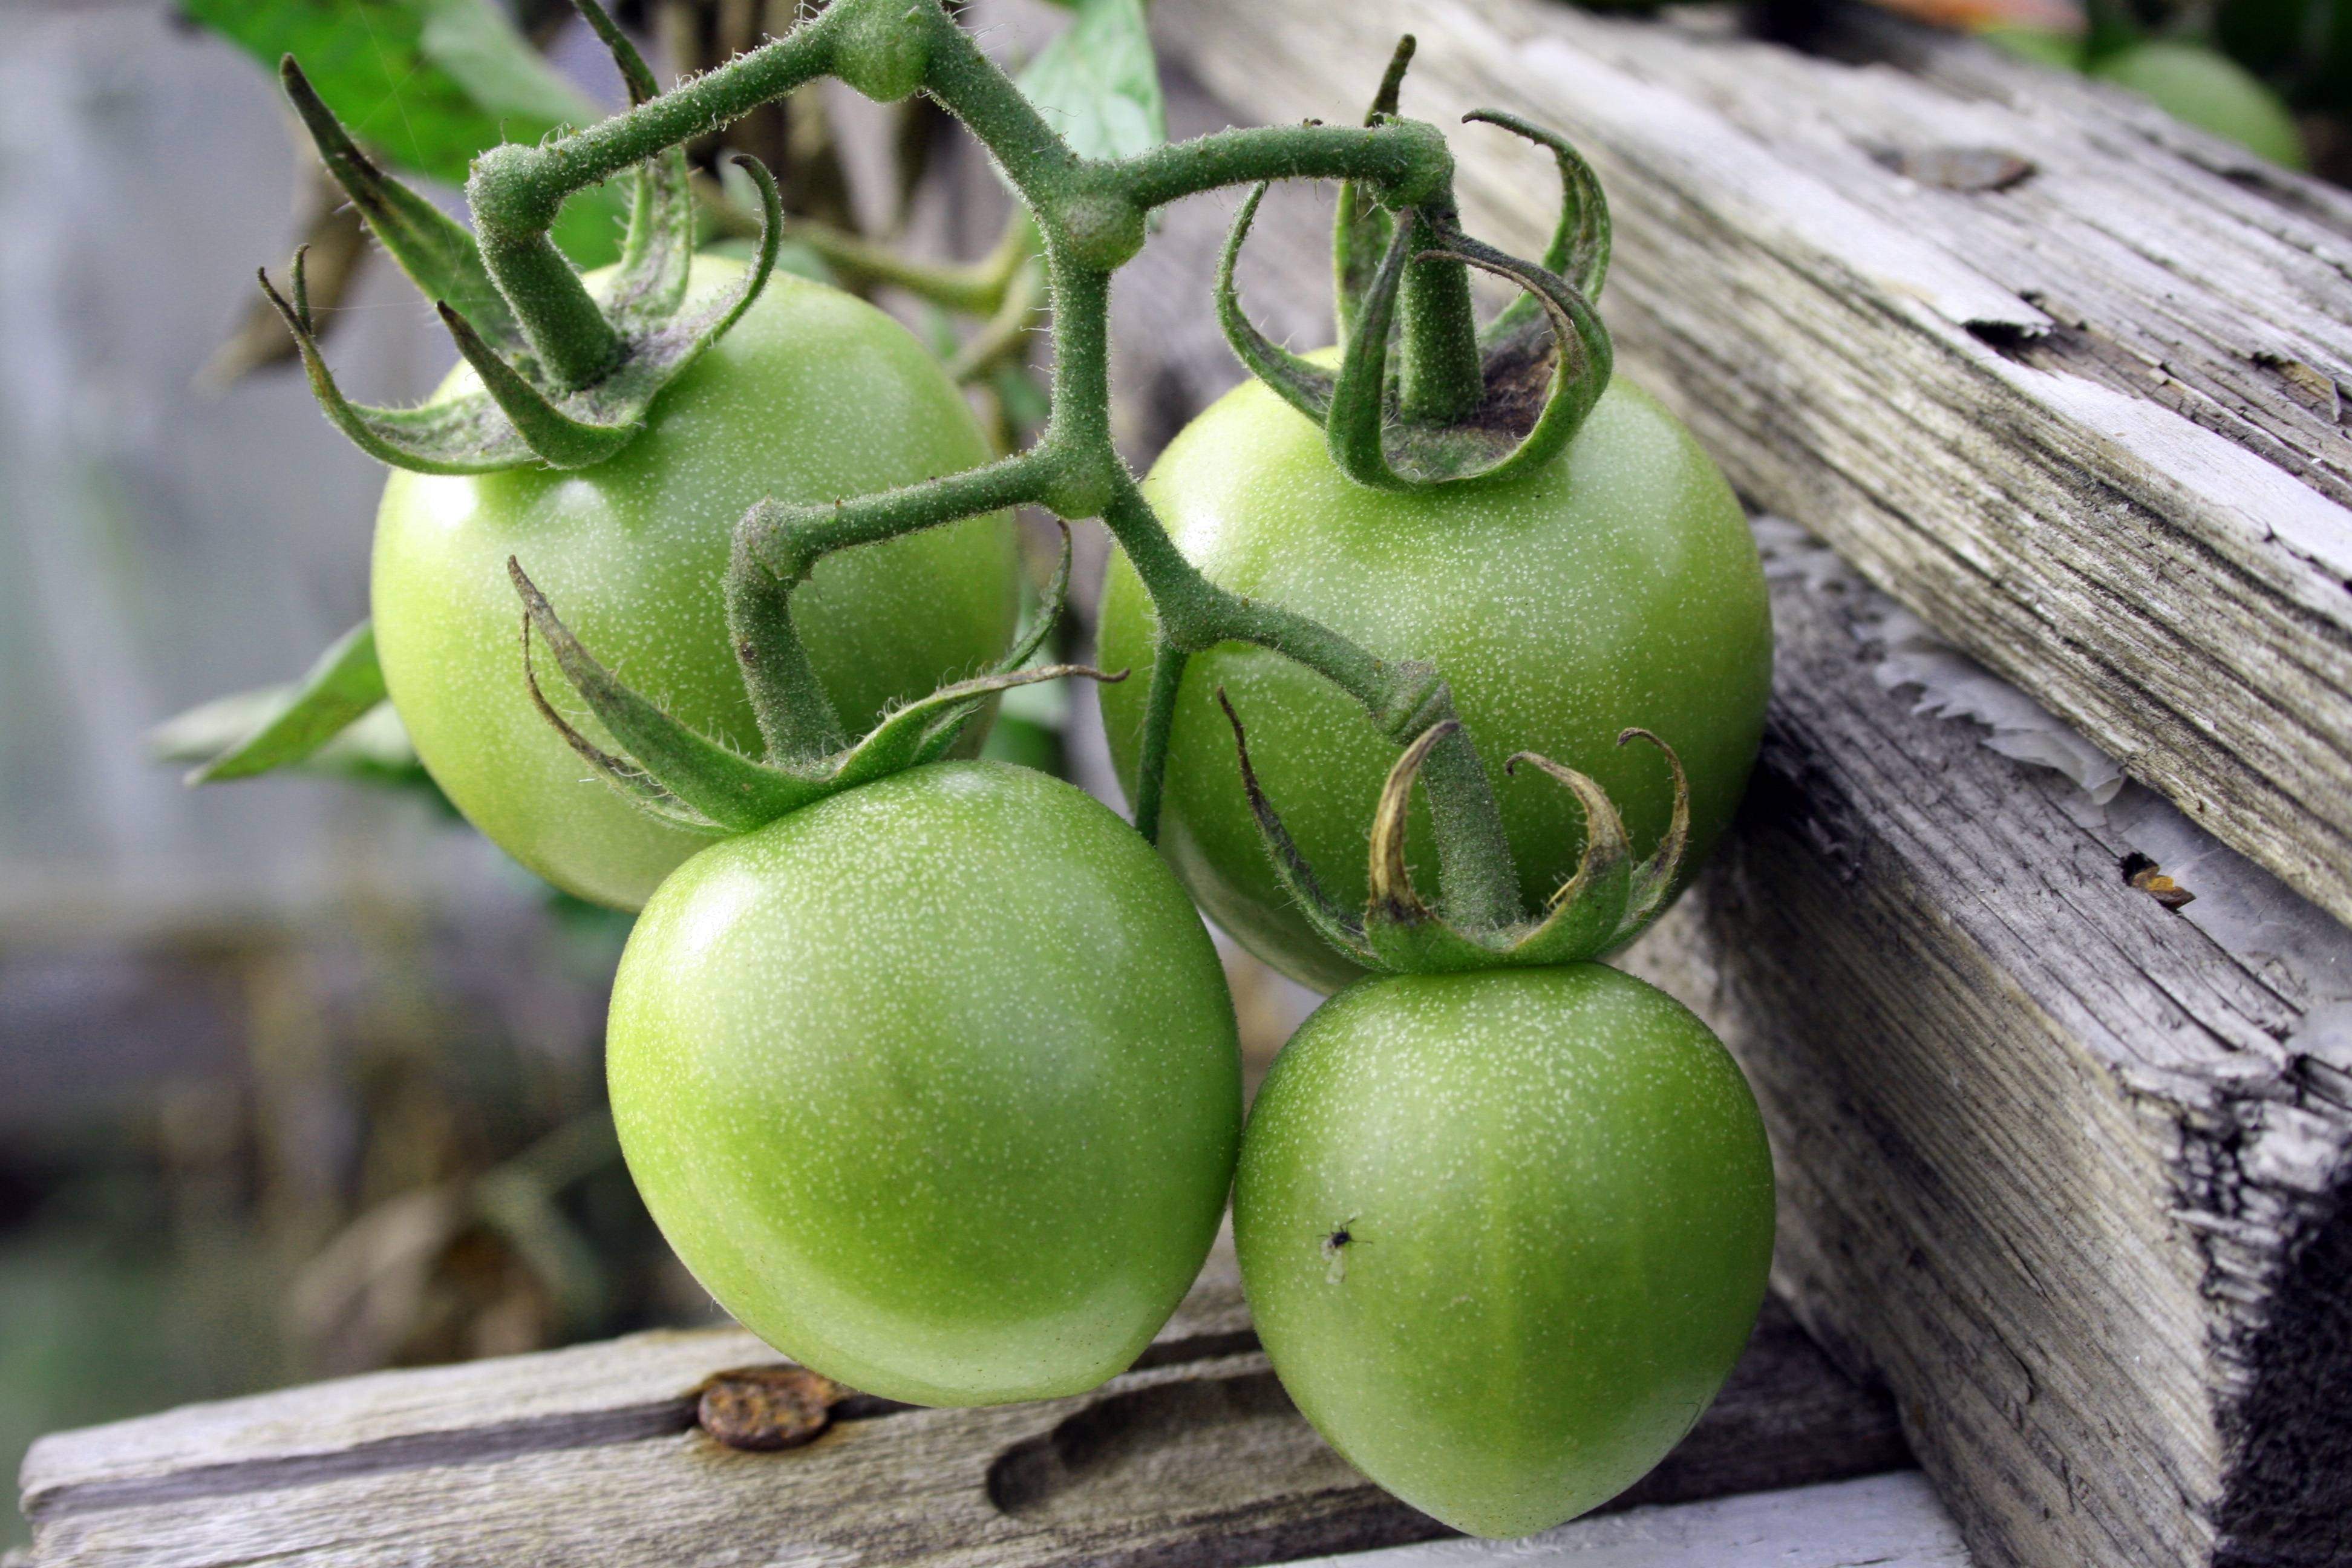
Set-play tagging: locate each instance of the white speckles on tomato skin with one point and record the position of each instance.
(1618, 586)
(1559, 1204)
(812, 395)
(947, 1104)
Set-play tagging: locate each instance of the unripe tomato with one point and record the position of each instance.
(1616, 586)
(933, 1084)
(2207, 88)
(1504, 1233)
(812, 395)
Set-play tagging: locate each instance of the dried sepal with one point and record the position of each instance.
(1654, 879)
(1299, 382)
(1609, 898)
(519, 417)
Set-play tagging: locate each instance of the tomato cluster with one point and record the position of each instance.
(926, 1066)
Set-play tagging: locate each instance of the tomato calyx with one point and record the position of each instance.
(1610, 896)
(679, 776)
(564, 388)
(1460, 404)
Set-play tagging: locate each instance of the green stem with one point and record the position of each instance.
(515, 190)
(1168, 663)
(1444, 373)
(978, 289)
(967, 85)
(1478, 881)
(1081, 209)
(1403, 157)
(788, 541)
(796, 716)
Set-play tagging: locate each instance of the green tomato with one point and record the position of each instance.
(1504, 1233)
(2043, 46)
(2208, 90)
(1616, 586)
(812, 395)
(933, 1084)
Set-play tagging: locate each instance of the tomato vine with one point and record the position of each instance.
(568, 378)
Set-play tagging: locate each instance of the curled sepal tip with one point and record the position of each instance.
(1654, 879)
(1290, 868)
(1580, 245)
(1609, 898)
(679, 776)
(1513, 392)
(458, 435)
(1361, 227)
(520, 415)
(1299, 382)
(1538, 385)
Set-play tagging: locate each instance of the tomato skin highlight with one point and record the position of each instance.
(812, 395)
(1556, 1200)
(933, 1084)
(1617, 587)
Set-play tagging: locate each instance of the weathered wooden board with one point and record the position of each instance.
(1884, 1522)
(2086, 424)
(2068, 1168)
(591, 1456)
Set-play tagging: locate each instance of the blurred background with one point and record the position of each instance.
(298, 1075)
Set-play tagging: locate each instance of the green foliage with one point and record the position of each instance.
(333, 721)
(428, 84)
(1098, 84)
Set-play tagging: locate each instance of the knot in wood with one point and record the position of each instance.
(763, 1408)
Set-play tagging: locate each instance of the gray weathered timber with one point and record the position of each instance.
(1884, 1522)
(590, 1457)
(2063, 1169)
(2087, 425)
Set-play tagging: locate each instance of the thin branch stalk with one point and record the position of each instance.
(1089, 216)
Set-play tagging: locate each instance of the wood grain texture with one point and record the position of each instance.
(2086, 426)
(591, 1457)
(1884, 1522)
(2066, 1170)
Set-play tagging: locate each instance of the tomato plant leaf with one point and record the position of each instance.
(428, 84)
(257, 732)
(1097, 83)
